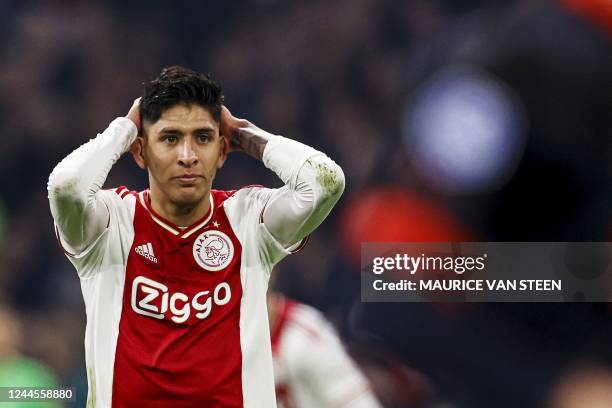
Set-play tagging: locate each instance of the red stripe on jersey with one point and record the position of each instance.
(119, 190)
(179, 333)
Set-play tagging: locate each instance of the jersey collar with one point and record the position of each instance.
(145, 200)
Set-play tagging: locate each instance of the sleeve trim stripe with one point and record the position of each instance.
(301, 246)
(121, 190)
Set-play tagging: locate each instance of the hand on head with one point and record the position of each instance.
(134, 114)
(227, 129)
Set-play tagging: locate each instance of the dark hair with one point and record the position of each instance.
(178, 85)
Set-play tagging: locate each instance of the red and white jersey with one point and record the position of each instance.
(311, 367)
(177, 317)
(174, 316)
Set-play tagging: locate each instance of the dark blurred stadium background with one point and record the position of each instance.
(453, 120)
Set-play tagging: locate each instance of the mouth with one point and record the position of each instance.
(187, 179)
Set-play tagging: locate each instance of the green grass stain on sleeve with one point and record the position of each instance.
(329, 179)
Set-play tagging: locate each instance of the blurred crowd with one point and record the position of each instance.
(453, 120)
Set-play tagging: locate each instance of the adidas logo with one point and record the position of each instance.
(146, 250)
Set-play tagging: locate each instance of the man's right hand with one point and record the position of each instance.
(134, 114)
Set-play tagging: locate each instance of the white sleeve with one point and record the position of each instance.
(313, 185)
(80, 214)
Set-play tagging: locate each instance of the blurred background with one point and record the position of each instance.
(453, 120)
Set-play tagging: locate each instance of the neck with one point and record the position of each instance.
(183, 215)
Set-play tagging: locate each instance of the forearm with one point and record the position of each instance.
(250, 139)
(74, 182)
(313, 185)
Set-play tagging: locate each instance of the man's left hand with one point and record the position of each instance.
(229, 128)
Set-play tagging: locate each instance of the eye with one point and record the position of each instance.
(203, 138)
(170, 139)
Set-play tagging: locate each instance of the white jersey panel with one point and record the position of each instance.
(260, 252)
(101, 268)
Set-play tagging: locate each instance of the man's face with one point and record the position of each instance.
(182, 152)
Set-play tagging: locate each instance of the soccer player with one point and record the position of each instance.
(311, 367)
(174, 278)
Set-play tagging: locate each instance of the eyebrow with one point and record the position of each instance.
(170, 129)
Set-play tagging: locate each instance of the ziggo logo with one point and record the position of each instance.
(202, 302)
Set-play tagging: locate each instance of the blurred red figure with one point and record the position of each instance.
(311, 367)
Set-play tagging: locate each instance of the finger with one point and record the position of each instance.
(226, 145)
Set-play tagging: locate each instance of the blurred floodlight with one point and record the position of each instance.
(465, 131)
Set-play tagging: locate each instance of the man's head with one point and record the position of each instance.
(177, 85)
(180, 144)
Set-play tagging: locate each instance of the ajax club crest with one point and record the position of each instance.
(213, 250)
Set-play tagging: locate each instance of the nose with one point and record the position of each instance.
(187, 155)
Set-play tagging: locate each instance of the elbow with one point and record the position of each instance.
(62, 183)
(339, 182)
(331, 180)
(67, 206)
(64, 191)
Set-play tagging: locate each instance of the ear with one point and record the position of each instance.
(137, 150)
(223, 152)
